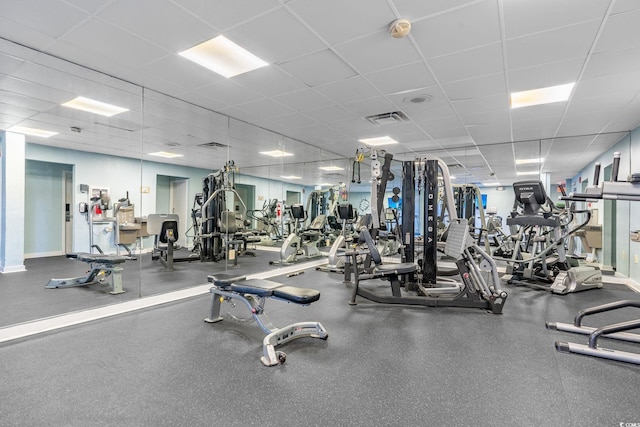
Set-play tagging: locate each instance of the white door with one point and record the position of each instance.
(178, 205)
(68, 211)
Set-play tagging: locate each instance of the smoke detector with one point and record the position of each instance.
(400, 28)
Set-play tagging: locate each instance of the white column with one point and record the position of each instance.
(12, 204)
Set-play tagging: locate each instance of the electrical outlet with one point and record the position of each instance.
(635, 258)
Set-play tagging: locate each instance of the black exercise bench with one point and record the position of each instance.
(253, 294)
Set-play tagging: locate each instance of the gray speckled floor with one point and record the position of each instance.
(382, 366)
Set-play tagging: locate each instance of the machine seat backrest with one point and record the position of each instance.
(345, 211)
(228, 222)
(318, 223)
(167, 226)
(297, 211)
(375, 254)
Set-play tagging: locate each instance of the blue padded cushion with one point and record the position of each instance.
(267, 288)
(297, 295)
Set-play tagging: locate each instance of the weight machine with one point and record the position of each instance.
(480, 283)
(221, 228)
(609, 190)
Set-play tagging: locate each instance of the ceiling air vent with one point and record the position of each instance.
(388, 118)
(213, 144)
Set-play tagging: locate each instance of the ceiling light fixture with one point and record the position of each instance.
(529, 161)
(93, 106)
(32, 131)
(290, 177)
(276, 153)
(166, 154)
(545, 95)
(331, 168)
(223, 56)
(382, 140)
(528, 173)
(490, 184)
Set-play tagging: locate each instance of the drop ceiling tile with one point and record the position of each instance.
(544, 75)
(229, 93)
(269, 81)
(34, 90)
(348, 90)
(624, 83)
(494, 103)
(275, 37)
(472, 63)
(612, 62)
(150, 22)
(266, 108)
(413, 10)
(337, 21)
(304, 100)
(22, 13)
(401, 79)
(378, 51)
(522, 18)
(294, 121)
(490, 134)
(355, 128)
(461, 29)
(204, 101)
(318, 68)
(330, 114)
(588, 123)
(620, 33)
(369, 106)
(224, 15)
(622, 6)
(99, 45)
(552, 46)
(476, 87)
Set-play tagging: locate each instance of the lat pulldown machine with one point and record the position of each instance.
(480, 285)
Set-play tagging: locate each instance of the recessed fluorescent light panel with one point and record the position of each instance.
(490, 184)
(544, 95)
(93, 106)
(165, 154)
(529, 161)
(276, 153)
(528, 173)
(331, 168)
(382, 140)
(224, 57)
(32, 131)
(290, 177)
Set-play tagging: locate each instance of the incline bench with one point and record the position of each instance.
(102, 267)
(253, 294)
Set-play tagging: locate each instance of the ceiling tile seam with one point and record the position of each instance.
(601, 27)
(225, 30)
(437, 14)
(73, 28)
(98, 10)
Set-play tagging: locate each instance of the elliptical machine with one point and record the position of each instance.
(543, 230)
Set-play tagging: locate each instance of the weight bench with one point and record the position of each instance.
(103, 267)
(253, 294)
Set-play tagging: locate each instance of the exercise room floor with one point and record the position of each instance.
(381, 366)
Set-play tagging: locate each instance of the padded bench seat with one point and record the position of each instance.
(100, 258)
(267, 288)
